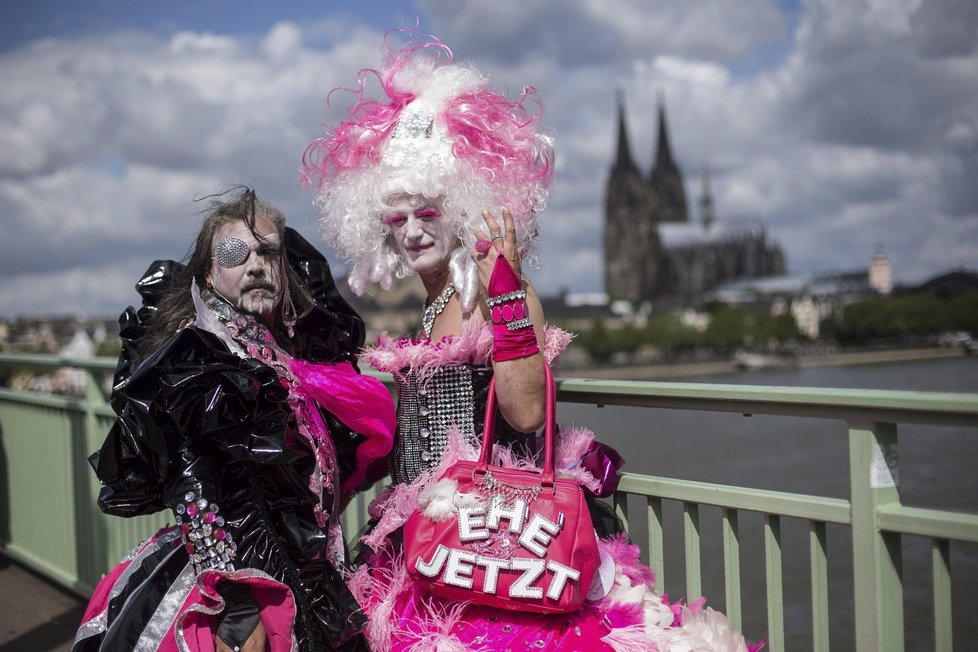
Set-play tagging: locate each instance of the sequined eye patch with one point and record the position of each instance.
(232, 251)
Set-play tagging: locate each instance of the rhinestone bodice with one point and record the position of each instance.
(426, 409)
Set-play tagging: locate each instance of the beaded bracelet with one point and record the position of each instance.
(503, 298)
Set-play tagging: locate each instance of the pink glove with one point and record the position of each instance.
(512, 331)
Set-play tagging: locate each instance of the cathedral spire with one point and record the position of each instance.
(663, 153)
(623, 160)
(666, 180)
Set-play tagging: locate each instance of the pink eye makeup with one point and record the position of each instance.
(426, 213)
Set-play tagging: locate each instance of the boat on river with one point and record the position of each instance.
(752, 360)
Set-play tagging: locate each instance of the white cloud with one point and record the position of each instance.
(283, 40)
(201, 43)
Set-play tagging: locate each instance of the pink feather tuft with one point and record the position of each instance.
(432, 632)
(360, 584)
(398, 504)
(624, 614)
(556, 341)
(457, 448)
(572, 444)
(378, 590)
(626, 558)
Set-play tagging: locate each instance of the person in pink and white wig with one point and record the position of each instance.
(442, 177)
(434, 172)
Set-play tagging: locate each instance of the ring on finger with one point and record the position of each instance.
(496, 236)
(482, 246)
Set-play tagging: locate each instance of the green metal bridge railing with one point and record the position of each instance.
(50, 522)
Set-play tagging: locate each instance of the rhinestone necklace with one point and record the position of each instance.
(432, 311)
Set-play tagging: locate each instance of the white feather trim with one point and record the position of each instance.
(437, 500)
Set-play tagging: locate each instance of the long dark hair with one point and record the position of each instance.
(176, 307)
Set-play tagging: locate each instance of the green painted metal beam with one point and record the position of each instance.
(656, 540)
(941, 568)
(928, 522)
(775, 582)
(731, 566)
(830, 510)
(691, 540)
(818, 558)
(845, 404)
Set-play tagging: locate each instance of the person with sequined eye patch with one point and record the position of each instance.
(239, 411)
(247, 270)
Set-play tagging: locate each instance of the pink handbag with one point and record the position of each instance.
(527, 544)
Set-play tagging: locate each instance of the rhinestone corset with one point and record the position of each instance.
(453, 394)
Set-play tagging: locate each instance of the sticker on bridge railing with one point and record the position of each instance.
(885, 469)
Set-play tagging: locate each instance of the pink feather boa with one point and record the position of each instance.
(473, 346)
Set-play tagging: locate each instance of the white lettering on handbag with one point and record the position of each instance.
(471, 524)
(433, 567)
(561, 575)
(532, 569)
(515, 514)
(475, 524)
(492, 566)
(458, 568)
(538, 534)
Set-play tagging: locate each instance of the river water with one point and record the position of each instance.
(937, 469)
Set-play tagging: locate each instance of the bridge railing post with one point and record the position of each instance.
(876, 555)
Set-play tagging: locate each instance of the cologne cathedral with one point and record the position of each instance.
(652, 249)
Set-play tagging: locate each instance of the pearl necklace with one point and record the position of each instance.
(432, 311)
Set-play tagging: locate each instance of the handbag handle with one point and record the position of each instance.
(489, 428)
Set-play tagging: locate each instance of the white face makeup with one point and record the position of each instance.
(248, 272)
(423, 236)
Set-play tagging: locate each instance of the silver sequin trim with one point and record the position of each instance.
(93, 627)
(166, 613)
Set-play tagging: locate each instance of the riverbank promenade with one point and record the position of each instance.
(859, 567)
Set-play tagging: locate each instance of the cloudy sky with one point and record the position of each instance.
(841, 124)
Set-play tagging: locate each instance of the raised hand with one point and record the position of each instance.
(495, 241)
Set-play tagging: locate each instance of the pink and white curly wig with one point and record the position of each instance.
(440, 132)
